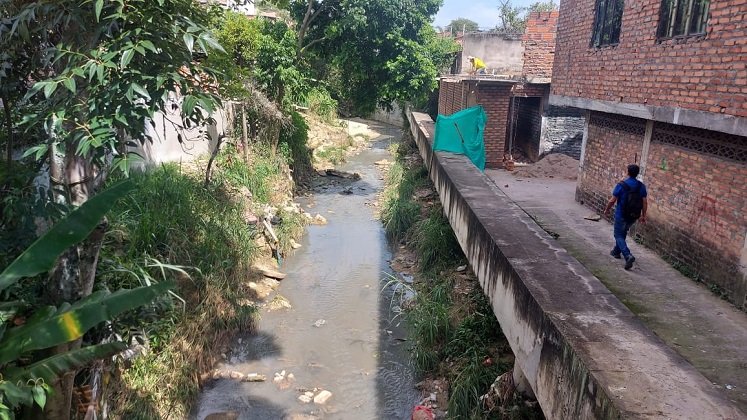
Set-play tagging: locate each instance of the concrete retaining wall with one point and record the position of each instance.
(583, 352)
(173, 142)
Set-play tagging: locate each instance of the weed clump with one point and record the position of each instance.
(171, 223)
(454, 333)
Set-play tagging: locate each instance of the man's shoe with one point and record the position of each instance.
(615, 255)
(629, 262)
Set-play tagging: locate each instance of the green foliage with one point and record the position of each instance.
(514, 18)
(278, 71)
(171, 217)
(400, 211)
(296, 139)
(435, 241)
(24, 384)
(463, 25)
(321, 104)
(372, 53)
(41, 255)
(258, 177)
(125, 68)
(510, 16)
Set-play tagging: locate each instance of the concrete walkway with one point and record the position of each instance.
(707, 331)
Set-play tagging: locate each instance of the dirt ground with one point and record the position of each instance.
(551, 166)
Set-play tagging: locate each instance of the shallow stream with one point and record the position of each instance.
(339, 335)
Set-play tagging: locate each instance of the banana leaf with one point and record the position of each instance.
(53, 328)
(50, 368)
(41, 255)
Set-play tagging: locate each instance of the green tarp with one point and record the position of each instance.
(462, 133)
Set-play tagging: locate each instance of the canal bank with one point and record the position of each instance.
(339, 334)
(578, 347)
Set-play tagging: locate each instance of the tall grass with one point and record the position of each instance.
(172, 218)
(453, 331)
(399, 210)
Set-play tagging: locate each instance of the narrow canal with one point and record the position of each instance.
(339, 335)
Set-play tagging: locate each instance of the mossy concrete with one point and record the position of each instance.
(584, 353)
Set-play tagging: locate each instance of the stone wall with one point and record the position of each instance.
(563, 129)
(697, 185)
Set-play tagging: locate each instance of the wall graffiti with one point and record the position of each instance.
(706, 208)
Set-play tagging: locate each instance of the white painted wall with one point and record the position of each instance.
(171, 142)
(502, 54)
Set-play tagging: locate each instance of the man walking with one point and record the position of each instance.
(630, 196)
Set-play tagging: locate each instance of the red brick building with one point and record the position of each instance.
(519, 116)
(664, 85)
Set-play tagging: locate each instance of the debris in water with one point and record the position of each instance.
(461, 269)
(322, 397)
(341, 174)
(294, 244)
(422, 412)
(304, 398)
(319, 220)
(730, 387)
(279, 302)
(319, 322)
(347, 191)
(268, 272)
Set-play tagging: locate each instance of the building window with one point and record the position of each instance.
(607, 22)
(682, 18)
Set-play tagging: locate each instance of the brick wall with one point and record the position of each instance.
(701, 73)
(495, 98)
(697, 204)
(697, 184)
(528, 127)
(563, 133)
(613, 142)
(539, 44)
(451, 96)
(531, 89)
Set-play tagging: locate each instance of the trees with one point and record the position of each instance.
(463, 25)
(373, 53)
(80, 80)
(514, 18)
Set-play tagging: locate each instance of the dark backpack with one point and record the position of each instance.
(633, 206)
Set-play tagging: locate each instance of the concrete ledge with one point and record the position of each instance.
(583, 352)
(680, 116)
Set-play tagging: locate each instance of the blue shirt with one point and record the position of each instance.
(622, 195)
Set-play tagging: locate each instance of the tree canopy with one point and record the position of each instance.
(372, 53)
(463, 25)
(514, 18)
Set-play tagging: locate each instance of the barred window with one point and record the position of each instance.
(682, 18)
(607, 22)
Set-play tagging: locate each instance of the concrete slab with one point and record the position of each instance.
(583, 352)
(707, 331)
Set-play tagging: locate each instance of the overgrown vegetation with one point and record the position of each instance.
(80, 80)
(173, 219)
(454, 333)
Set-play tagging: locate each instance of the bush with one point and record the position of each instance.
(298, 153)
(320, 103)
(171, 218)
